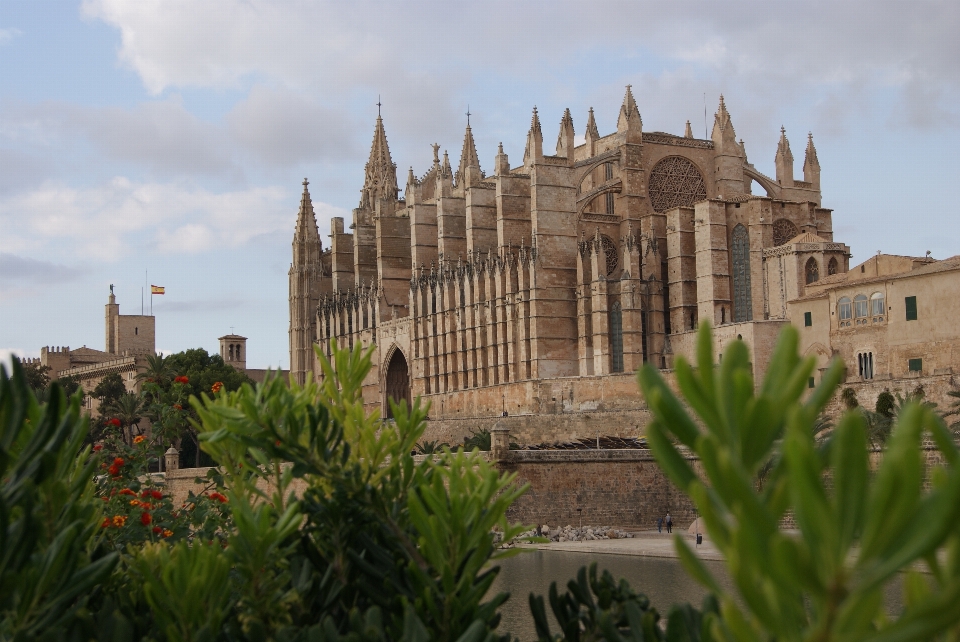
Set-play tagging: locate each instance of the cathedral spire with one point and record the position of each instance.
(784, 160)
(469, 170)
(592, 135)
(304, 288)
(380, 180)
(811, 165)
(534, 149)
(565, 139)
(629, 119)
(724, 136)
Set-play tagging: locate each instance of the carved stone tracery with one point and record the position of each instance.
(783, 230)
(675, 182)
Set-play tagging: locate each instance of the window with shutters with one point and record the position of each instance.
(910, 303)
(915, 365)
(878, 307)
(860, 309)
(807, 319)
(844, 311)
(742, 304)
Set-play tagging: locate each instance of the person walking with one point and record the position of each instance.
(659, 524)
(669, 523)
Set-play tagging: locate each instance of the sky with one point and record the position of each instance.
(165, 142)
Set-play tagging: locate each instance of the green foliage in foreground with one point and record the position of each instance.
(857, 530)
(330, 531)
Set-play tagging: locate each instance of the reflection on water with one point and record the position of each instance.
(663, 580)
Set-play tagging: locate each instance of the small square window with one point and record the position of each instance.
(915, 365)
(807, 319)
(811, 383)
(910, 303)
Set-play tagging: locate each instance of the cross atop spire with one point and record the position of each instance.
(379, 105)
(468, 116)
(305, 183)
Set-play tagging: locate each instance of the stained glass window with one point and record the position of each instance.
(742, 303)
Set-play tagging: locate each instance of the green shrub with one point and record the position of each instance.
(856, 532)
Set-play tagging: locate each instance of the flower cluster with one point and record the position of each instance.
(215, 388)
(114, 469)
(181, 379)
(114, 422)
(137, 511)
(139, 439)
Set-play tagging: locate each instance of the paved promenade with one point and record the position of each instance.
(643, 543)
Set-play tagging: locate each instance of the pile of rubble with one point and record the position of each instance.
(593, 443)
(582, 534)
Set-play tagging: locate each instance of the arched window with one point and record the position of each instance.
(742, 304)
(238, 352)
(860, 309)
(845, 311)
(813, 270)
(878, 307)
(832, 267)
(616, 338)
(230, 352)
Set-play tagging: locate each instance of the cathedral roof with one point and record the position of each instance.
(806, 237)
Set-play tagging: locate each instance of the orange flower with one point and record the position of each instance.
(215, 388)
(220, 498)
(119, 521)
(127, 491)
(134, 502)
(145, 519)
(167, 532)
(181, 380)
(138, 439)
(177, 406)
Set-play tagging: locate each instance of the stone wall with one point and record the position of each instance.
(537, 429)
(624, 488)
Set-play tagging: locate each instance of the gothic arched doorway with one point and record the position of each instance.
(398, 383)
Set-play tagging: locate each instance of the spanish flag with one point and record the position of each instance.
(156, 289)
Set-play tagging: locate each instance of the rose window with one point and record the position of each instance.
(675, 182)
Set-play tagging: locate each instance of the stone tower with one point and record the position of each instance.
(233, 351)
(305, 272)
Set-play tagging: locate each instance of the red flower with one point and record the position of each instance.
(127, 491)
(145, 519)
(106, 523)
(215, 388)
(157, 530)
(97, 448)
(220, 498)
(156, 494)
(177, 406)
(181, 379)
(114, 470)
(114, 422)
(118, 461)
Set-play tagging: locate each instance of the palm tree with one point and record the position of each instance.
(157, 370)
(953, 411)
(128, 409)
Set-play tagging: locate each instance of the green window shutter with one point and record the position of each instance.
(807, 319)
(915, 365)
(911, 305)
(811, 383)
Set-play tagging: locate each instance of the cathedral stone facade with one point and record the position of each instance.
(557, 277)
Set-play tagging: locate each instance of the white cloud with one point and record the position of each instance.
(122, 218)
(8, 34)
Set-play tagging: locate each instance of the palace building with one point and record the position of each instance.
(537, 290)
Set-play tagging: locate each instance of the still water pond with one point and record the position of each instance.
(663, 580)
